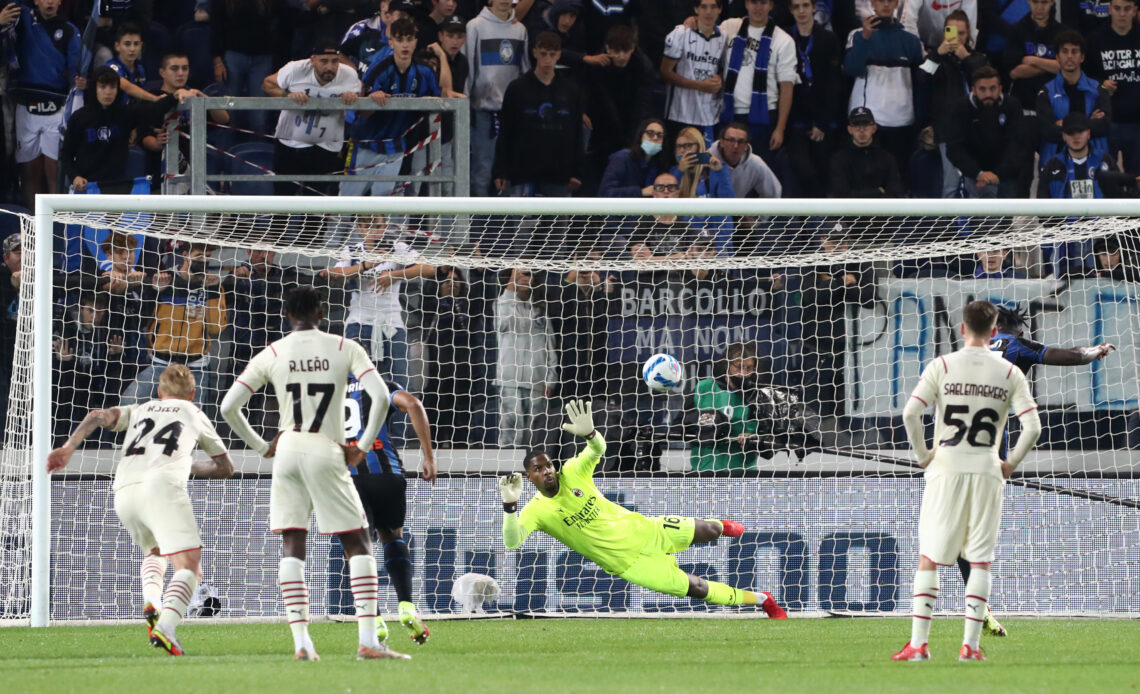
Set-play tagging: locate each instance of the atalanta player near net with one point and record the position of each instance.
(569, 508)
(382, 487)
(1024, 353)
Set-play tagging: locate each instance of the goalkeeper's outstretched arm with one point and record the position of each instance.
(510, 488)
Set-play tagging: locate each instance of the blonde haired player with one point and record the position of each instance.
(972, 390)
(309, 369)
(150, 491)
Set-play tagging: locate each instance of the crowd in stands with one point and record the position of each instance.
(608, 98)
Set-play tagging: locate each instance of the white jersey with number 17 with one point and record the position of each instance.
(308, 370)
(972, 390)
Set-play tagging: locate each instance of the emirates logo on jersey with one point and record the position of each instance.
(577, 492)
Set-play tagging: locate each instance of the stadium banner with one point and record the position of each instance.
(914, 320)
(839, 544)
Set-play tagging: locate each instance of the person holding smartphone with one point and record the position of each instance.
(927, 19)
(883, 57)
(702, 175)
(951, 67)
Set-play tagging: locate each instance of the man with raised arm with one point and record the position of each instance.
(569, 508)
(1025, 354)
(309, 369)
(972, 391)
(150, 491)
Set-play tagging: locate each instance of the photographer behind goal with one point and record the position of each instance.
(733, 419)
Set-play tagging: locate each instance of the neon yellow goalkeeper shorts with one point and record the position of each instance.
(656, 568)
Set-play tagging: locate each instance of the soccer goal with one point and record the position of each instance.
(801, 327)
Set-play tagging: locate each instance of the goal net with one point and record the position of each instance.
(801, 326)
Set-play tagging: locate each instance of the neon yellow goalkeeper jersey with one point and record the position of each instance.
(581, 518)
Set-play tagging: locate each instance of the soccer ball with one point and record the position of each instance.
(662, 373)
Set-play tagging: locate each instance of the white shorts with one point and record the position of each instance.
(37, 134)
(158, 515)
(960, 516)
(309, 475)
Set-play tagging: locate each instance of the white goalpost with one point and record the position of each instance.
(526, 302)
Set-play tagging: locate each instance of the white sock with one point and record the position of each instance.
(977, 597)
(925, 593)
(362, 574)
(291, 574)
(177, 597)
(152, 572)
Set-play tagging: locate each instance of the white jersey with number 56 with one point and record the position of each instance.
(308, 370)
(160, 440)
(972, 391)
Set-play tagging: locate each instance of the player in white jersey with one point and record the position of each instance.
(972, 391)
(150, 491)
(691, 66)
(309, 369)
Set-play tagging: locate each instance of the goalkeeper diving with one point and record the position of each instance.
(569, 508)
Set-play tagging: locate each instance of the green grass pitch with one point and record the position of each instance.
(554, 656)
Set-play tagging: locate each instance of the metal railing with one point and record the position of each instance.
(198, 108)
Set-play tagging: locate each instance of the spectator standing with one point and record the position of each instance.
(985, 140)
(381, 144)
(863, 169)
(310, 142)
(926, 19)
(448, 350)
(1114, 52)
(174, 69)
(826, 295)
(492, 71)
(618, 96)
(1030, 53)
(375, 317)
(759, 77)
(991, 265)
(431, 24)
(46, 47)
(883, 57)
(955, 62)
(691, 66)
(242, 39)
(526, 371)
(815, 101)
(562, 17)
(452, 37)
(189, 313)
(630, 172)
(1072, 91)
(88, 358)
(1086, 16)
(366, 41)
(127, 63)
(98, 135)
(539, 151)
(256, 292)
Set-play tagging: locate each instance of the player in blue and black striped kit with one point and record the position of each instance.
(381, 483)
(1025, 354)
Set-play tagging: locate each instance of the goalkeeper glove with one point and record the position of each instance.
(510, 488)
(581, 416)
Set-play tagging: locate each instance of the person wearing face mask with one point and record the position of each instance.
(630, 172)
(985, 139)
